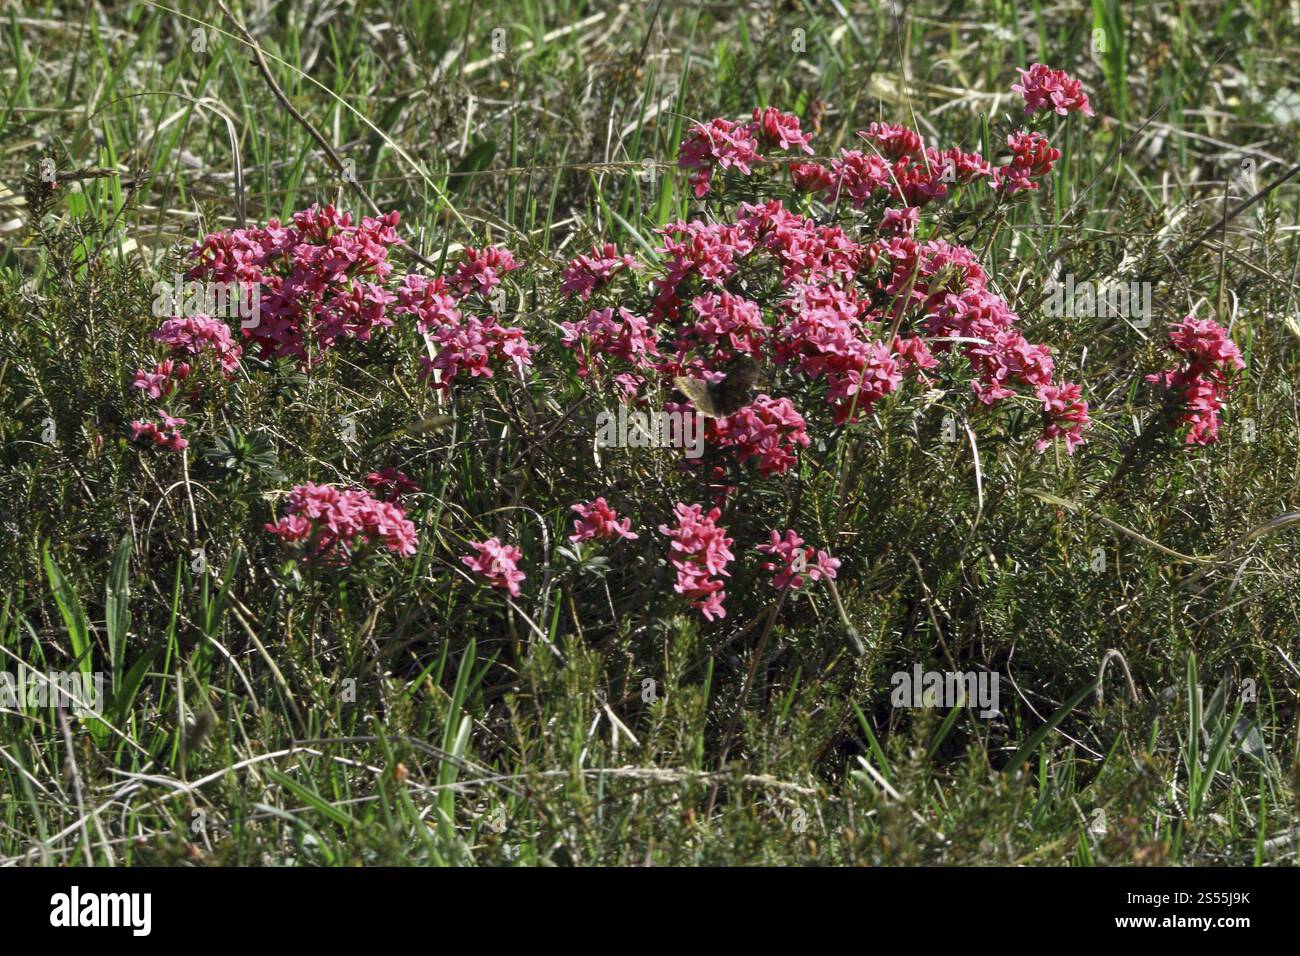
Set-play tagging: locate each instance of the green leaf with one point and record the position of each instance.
(1112, 50)
(478, 158)
(1036, 738)
(128, 686)
(117, 606)
(74, 615)
(313, 799)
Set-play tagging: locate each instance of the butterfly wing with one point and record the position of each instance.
(701, 394)
(720, 399)
(736, 390)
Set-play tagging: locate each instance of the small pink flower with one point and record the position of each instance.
(1066, 416)
(900, 222)
(710, 251)
(318, 278)
(336, 523)
(597, 520)
(1201, 382)
(777, 130)
(472, 346)
(699, 554)
(1031, 159)
(892, 140)
(600, 336)
(162, 380)
(768, 429)
(167, 436)
(193, 335)
(430, 301)
(496, 563)
(810, 177)
(725, 319)
(858, 176)
(482, 269)
(587, 273)
(794, 561)
(719, 144)
(390, 483)
(1045, 88)
(914, 355)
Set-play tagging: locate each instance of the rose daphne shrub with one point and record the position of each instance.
(839, 286)
(836, 276)
(324, 282)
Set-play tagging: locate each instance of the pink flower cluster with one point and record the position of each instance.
(921, 181)
(768, 429)
(902, 171)
(793, 561)
(1065, 415)
(194, 335)
(390, 484)
(869, 374)
(321, 278)
(481, 269)
(598, 521)
(726, 320)
(471, 346)
(335, 524)
(857, 176)
(700, 552)
(839, 293)
(187, 338)
(894, 142)
(824, 328)
(825, 336)
(958, 303)
(585, 274)
(722, 144)
(497, 564)
(463, 342)
(1031, 159)
(429, 301)
(710, 252)
(914, 355)
(805, 250)
(1201, 381)
(777, 130)
(719, 144)
(164, 378)
(810, 177)
(167, 435)
(1046, 89)
(600, 336)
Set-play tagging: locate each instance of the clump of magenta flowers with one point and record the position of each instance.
(325, 281)
(833, 275)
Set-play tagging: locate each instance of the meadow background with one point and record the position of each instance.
(400, 712)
